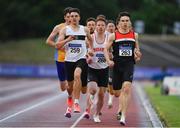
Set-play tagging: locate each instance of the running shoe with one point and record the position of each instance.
(87, 114)
(68, 112)
(76, 108)
(118, 115)
(70, 102)
(122, 120)
(96, 119)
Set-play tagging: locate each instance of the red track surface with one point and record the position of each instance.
(39, 103)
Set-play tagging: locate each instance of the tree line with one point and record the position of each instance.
(36, 18)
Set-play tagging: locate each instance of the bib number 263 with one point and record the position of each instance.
(125, 52)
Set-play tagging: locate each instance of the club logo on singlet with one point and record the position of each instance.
(125, 50)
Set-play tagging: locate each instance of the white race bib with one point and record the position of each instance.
(75, 48)
(125, 51)
(100, 58)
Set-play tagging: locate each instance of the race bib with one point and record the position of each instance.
(75, 48)
(100, 58)
(125, 51)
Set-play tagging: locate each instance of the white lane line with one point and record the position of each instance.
(19, 85)
(27, 92)
(82, 116)
(32, 107)
(78, 120)
(148, 107)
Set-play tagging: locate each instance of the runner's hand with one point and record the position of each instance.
(90, 52)
(137, 55)
(88, 59)
(69, 38)
(110, 63)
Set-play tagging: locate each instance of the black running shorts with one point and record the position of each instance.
(122, 72)
(71, 66)
(100, 76)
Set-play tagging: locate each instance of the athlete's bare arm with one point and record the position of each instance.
(89, 41)
(61, 40)
(50, 40)
(137, 51)
(108, 45)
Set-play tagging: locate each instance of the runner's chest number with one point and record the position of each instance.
(125, 51)
(75, 50)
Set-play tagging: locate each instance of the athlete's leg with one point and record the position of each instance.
(77, 83)
(111, 96)
(125, 98)
(100, 103)
(70, 79)
(83, 65)
(126, 89)
(92, 89)
(100, 100)
(77, 88)
(117, 93)
(61, 75)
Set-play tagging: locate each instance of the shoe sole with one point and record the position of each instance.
(122, 123)
(68, 115)
(76, 111)
(97, 121)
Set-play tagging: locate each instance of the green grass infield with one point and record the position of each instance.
(27, 51)
(167, 107)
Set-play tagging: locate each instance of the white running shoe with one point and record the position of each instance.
(122, 120)
(96, 119)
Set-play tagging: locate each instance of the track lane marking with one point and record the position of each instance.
(77, 121)
(32, 107)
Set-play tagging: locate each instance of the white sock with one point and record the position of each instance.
(76, 101)
(111, 96)
(122, 117)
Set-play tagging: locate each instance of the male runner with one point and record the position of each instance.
(60, 55)
(90, 23)
(72, 39)
(111, 27)
(123, 41)
(98, 70)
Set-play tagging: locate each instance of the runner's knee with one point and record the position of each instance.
(127, 89)
(116, 94)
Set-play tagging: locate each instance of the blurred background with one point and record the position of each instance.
(25, 25)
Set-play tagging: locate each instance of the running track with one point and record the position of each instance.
(40, 103)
